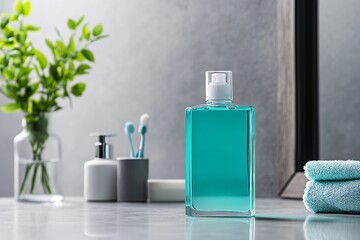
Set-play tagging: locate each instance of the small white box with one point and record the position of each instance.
(166, 190)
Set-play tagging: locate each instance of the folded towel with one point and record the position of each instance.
(334, 186)
(332, 196)
(332, 170)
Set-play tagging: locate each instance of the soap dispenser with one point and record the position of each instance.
(220, 152)
(100, 174)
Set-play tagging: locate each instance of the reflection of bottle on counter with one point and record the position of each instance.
(220, 228)
(100, 174)
(101, 223)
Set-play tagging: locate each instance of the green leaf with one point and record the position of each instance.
(24, 71)
(88, 55)
(71, 45)
(20, 37)
(27, 93)
(86, 32)
(31, 90)
(71, 65)
(54, 72)
(98, 29)
(80, 20)
(82, 69)
(8, 74)
(37, 71)
(61, 47)
(2, 59)
(19, 7)
(49, 44)
(2, 43)
(8, 31)
(41, 59)
(14, 17)
(26, 8)
(78, 89)
(30, 27)
(34, 87)
(61, 68)
(31, 107)
(10, 107)
(71, 24)
(79, 57)
(49, 81)
(4, 21)
(10, 91)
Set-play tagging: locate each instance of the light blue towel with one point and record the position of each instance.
(333, 196)
(332, 170)
(334, 186)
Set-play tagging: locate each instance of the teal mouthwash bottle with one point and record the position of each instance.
(220, 153)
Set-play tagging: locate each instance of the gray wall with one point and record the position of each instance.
(339, 58)
(154, 62)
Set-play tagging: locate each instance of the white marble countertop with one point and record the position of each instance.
(76, 219)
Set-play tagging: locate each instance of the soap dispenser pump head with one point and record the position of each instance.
(219, 85)
(103, 149)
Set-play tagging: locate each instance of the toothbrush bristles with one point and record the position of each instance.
(129, 128)
(144, 119)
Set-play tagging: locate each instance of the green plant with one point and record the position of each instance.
(35, 84)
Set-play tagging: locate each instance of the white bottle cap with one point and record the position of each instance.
(219, 85)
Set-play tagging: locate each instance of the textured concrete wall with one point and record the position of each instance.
(154, 62)
(339, 58)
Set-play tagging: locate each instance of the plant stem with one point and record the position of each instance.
(22, 188)
(45, 179)
(33, 181)
(43, 182)
(35, 147)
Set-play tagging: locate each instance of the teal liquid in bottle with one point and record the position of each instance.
(220, 153)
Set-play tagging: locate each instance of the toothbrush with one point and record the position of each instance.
(144, 122)
(130, 129)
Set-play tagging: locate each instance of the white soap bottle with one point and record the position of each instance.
(100, 174)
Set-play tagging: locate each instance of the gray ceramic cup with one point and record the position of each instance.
(132, 177)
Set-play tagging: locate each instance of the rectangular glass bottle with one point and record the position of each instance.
(220, 154)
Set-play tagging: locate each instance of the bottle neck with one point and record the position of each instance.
(219, 101)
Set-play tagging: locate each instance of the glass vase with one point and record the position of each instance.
(37, 150)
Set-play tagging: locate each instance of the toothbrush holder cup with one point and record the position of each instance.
(133, 174)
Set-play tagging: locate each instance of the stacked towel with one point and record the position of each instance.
(334, 186)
